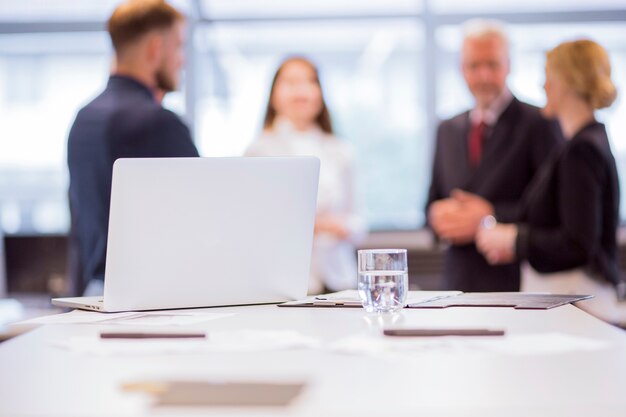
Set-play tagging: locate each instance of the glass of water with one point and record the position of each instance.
(383, 279)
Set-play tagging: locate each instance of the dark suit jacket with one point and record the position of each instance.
(124, 121)
(571, 210)
(512, 152)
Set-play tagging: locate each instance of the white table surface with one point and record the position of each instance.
(39, 379)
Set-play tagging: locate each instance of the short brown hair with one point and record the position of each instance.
(322, 119)
(584, 65)
(134, 18)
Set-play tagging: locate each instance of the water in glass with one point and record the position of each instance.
(383, 291)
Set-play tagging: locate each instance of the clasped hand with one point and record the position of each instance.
(497, 243)
(457, 218)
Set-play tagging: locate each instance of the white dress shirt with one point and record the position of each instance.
(333, 260)
(491, 114)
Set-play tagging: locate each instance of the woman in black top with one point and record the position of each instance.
(571, 210)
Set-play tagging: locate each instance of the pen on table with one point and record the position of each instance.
(127, 335)
(443, 332)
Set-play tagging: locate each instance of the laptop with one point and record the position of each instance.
(203, 232)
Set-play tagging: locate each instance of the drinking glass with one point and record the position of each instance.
(383, 279)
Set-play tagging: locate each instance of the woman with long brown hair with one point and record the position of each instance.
(297, 122)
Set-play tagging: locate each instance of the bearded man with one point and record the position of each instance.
(125, 121)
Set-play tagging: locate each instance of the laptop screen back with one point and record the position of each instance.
(194, 232)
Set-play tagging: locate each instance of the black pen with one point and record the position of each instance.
(442, 332)
(124, 335)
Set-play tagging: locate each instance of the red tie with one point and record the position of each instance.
(476, 137)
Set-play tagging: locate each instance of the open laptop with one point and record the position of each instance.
(199, 232)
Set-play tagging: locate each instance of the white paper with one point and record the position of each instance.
(516, 345)
(165, 319)
(76, 316)
(412, 296)
(254, 340)
(97, 346)
(149, 318)
(415, 297)
(232, 341)
(544, 344)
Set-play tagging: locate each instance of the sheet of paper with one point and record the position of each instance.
(543, 344)
(148, 318)
(226, 341)
(412, 296)
(421, 296)
(165, 319)
(516, 345)
(75, 316)
(254, 340)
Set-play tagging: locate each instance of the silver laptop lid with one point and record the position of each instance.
(194, 232)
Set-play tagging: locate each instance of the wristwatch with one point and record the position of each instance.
(488, 222)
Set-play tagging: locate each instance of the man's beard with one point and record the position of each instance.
(164, 82)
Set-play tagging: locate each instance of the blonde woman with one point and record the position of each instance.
(571, 212)
(297, 122)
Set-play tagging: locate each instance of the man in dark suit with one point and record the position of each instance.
(484, 160)
(125, 120)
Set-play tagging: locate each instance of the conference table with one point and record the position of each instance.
(557, 362)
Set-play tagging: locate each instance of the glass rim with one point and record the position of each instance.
(360, 251)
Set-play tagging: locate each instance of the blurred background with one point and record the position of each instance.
(389, 69)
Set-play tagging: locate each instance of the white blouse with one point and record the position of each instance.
(333, 261)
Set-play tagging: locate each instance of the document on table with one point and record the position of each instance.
(350, 298)
(518, 300)
(219, 341)
(166, 318)
(553, 343)
(144, 318)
